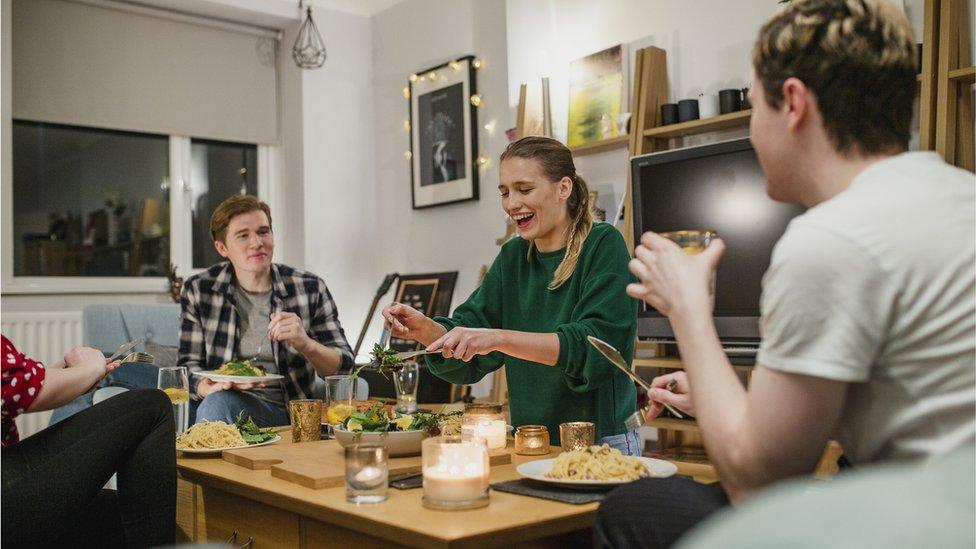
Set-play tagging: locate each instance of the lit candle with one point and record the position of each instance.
(455, 473)
(492, 430)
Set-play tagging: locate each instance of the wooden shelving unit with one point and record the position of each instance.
(675, 424)
(965, 75)
(692, 127)
(601, 146)
(673, 364)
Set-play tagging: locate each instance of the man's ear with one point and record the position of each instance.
(221, 248)
(797, 102)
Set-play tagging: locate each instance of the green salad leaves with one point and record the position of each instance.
(250, 432)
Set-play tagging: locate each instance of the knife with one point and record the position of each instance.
(125, 348)
(611, 354)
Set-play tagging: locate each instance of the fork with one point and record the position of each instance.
(637, 419)
(260, 348)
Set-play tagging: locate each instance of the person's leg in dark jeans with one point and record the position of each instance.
(52, 476)
(654, 512)
(225, 405)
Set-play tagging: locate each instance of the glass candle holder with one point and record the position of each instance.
(486, 420)
(532, 440)
(306, 419)
(455, 473)
(576, 435)
(367, 473)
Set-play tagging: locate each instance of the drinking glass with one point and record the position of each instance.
(694, 242)
(340, 389)
(172, 380)
(367, 473)
(405, 381)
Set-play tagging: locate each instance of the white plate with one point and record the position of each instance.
(220, 378)
(219, 450)
(536, 470)
(398, 443)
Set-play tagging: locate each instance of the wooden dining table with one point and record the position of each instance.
(220, 501)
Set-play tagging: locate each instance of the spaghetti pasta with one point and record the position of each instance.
(210, 435)
(598, 463)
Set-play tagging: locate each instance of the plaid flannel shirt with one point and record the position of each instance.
(210, 328)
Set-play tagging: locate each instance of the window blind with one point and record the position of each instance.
(98, 65)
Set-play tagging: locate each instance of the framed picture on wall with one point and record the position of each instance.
(443, 134)
(430, 294)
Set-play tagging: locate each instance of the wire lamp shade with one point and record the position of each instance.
(309, 49)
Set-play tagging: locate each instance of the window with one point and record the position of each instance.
(218, 170)
(95, 210)
(89, 202)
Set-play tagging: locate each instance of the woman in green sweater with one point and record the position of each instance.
(563, 279)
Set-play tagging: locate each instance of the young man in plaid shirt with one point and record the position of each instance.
(280, 318)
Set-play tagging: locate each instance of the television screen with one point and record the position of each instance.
(718, 186)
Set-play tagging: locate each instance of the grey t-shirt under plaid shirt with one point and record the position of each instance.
(210, 328)
(254, 312)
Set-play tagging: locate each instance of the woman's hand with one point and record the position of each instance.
(466, 343)
(672, 281)
(89, 359)
(409, 323)
(679, 396)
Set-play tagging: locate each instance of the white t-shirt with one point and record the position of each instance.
(877, 287)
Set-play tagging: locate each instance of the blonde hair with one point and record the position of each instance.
(856, 56)
(556, 162)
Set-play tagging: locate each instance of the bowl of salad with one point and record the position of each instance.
(400, 433)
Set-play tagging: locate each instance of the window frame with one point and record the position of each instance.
(181, 230)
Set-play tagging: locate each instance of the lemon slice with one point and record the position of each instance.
(354, 425)
(403, 422)
(338, 413)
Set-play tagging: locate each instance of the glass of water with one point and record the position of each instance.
(406, 380)
(367, 473)
(172, 380)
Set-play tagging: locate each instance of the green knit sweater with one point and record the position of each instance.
(583, 386)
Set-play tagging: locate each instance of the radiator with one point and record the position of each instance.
(43, 336)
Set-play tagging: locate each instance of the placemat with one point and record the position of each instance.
(528, 487)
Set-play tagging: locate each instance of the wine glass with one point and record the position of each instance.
(173, 381)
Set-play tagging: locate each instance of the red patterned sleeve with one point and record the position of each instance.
(22, 380)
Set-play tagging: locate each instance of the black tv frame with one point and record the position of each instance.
(652, 325)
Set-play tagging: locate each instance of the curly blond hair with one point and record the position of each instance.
(858, 58)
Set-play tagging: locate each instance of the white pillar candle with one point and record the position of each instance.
(492, 430)
(457, 472)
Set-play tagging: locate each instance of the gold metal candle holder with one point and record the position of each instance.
(576, 435)
(306, 419)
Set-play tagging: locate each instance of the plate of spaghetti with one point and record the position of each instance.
(213, 437)
(595, 467)
(242, 371)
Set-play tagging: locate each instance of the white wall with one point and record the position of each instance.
(341, 225)
(410, 37)
(708, 45)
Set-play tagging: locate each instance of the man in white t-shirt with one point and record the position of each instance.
(869, 303)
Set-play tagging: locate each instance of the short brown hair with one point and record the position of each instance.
(858, 58)
(232, 207)
(556, 161)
